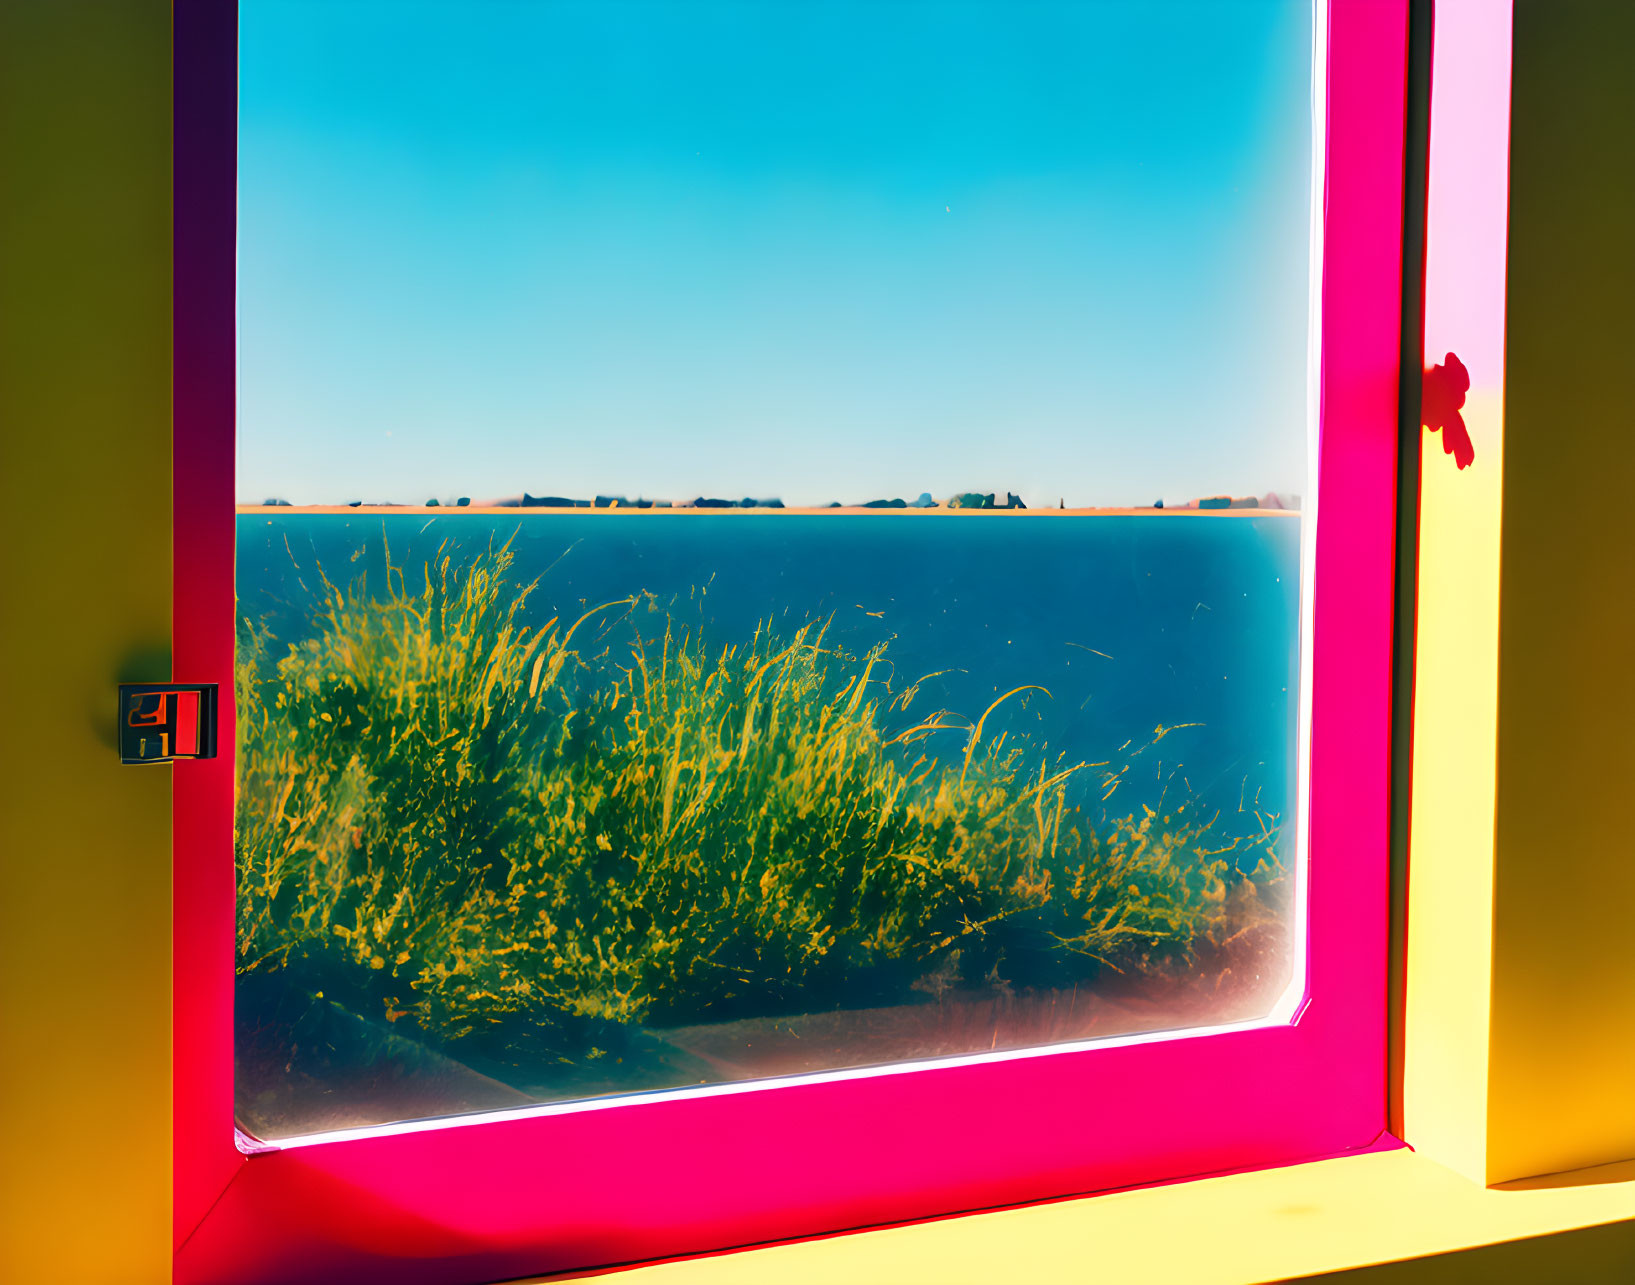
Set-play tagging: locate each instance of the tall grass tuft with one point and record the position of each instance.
(449, 815)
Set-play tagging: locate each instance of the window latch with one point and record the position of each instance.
(163, 722)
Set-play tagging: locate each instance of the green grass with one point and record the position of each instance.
(450, 817)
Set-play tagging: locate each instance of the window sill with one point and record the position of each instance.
(1270, 1225)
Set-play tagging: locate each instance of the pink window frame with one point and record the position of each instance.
(512, 1196)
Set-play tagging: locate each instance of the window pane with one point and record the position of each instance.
(974, 728)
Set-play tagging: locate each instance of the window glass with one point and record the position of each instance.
(770, 539)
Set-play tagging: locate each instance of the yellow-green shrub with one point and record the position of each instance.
(447, 814)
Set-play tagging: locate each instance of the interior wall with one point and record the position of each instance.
(1562, 1071)
(85, 343)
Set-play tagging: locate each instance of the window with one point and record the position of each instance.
(717, 835)
(626, 786)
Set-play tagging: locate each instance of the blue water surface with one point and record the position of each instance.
(1133, 623)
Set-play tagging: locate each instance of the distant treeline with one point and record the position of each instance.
(960, 500)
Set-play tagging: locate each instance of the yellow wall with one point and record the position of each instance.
(1562, 1079)
(1449, 930)
(1450, 892)
(85, 461)
(1520, 1021)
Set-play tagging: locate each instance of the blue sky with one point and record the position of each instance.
(801, 249)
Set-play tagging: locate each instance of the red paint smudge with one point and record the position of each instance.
(1444, 393)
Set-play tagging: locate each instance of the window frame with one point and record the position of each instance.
(487, 1198)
